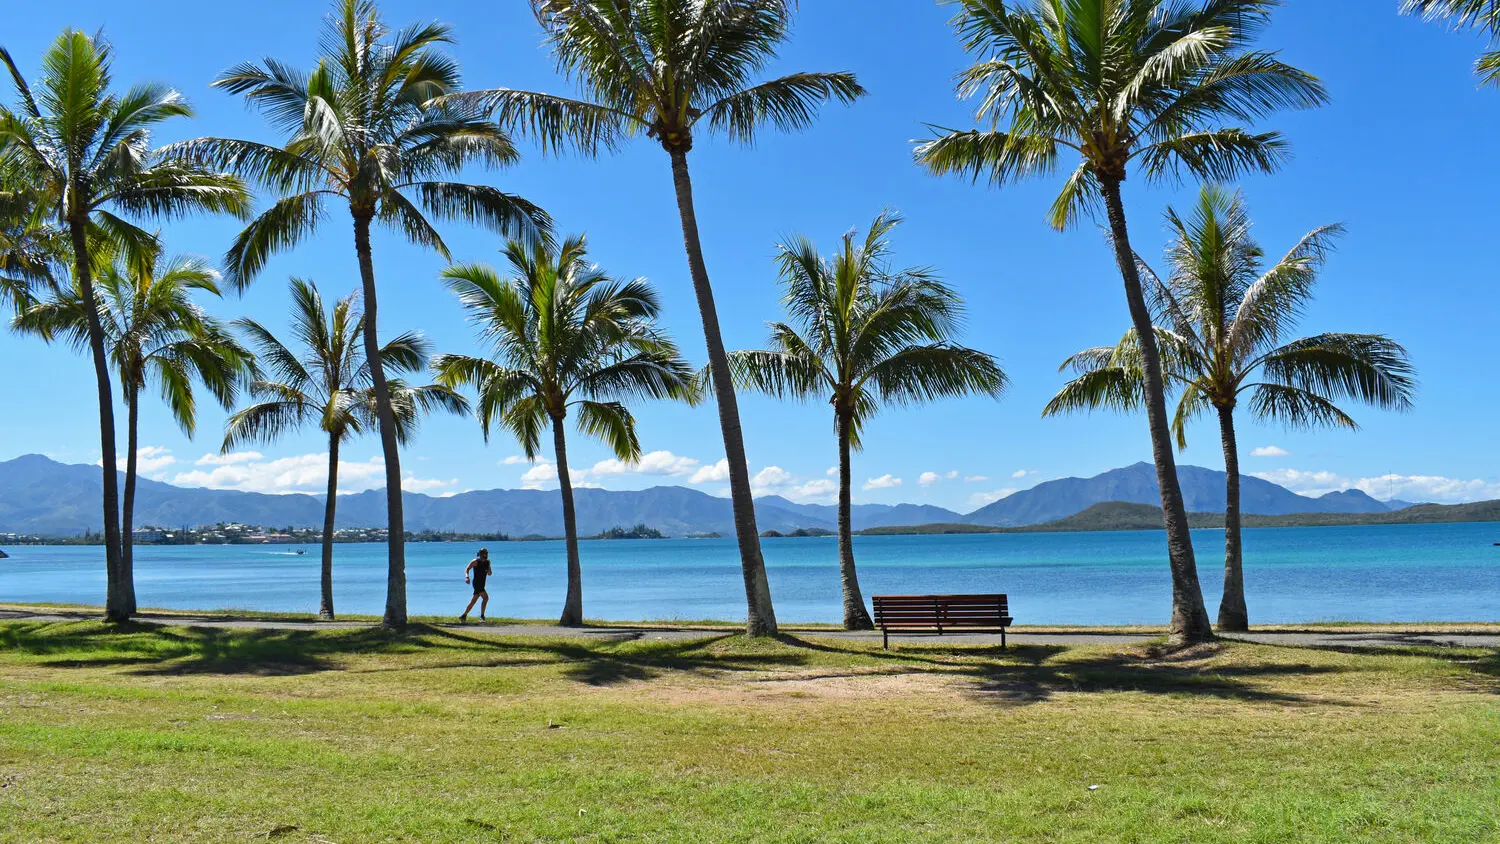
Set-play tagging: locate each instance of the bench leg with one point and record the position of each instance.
(885, 639)
(1002, 638)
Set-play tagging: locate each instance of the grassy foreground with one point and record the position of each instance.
(195, 734)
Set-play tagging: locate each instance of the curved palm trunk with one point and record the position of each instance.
(572, 614)
(855, 616)
(117, 600)
(1233, 615)
(395, 590)
(760, 616)
(127, 516)
(325, 601)
(1189, 618)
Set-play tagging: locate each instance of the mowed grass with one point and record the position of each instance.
(197, 734)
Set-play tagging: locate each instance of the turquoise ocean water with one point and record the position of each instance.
(1382, 573)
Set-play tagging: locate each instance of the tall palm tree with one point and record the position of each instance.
(673, 69)
(1221, 325)
(327, 382)
(864, 335)
(155, 334)
(1149, 85)
(565, 336)
(87, 150)
(361, 129)
(1483, 15)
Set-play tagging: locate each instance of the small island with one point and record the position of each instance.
(637, 532)
(799, 533)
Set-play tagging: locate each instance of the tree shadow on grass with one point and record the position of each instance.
(1026, 674)
(629, 659)
(1026, 684)
(1481, 665)
(150, 649)
(1019, 675)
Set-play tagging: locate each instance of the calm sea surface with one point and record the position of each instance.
(1385, 573)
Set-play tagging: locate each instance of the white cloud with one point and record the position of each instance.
(1307, 483)
(514, 460)
(718, 472)
(821, 488)
(1269, 451)
(833, 472)
(661, 463)
(979, 499)
(412, 483)
(230, 459)
(976, 479)
(1419, 488)
(769, 479)
(303, 473)
(886, 481)
(951, 475)
(539, 476)
(928, 478)
(1021, 473)
(152, 459)
(774, 480)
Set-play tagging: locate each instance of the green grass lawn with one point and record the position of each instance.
(193, 734)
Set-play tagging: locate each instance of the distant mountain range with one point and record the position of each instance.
(42, 496)
(1202, 492)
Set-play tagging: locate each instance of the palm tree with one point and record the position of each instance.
(1142, 84)
(564, 335)
(155, 334)
(1221, 323)
(329, 383)
(864, 335)
(1483, 15)
(361, 129)
(86, 150)
(671, 69)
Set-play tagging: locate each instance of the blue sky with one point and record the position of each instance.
(1401, 157)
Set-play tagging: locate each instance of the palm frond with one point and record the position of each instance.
(277, 229)
(789, 103)
(611, 424)
(1296, 408)
(1368, 368)
(264, 423)
(492, 208)
(1105, 388)
(782, 375)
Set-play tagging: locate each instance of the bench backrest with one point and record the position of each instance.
(941, 610)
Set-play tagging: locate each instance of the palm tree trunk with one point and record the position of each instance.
(855, 616)
(116, 601)
(1233, 616)
(760, 615)
(325, 601)
(1189, 617)
(395, 523)
(127, 518)
(572, 614)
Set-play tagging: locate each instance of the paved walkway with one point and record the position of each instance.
(1314, 639)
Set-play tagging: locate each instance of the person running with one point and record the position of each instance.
(476, 573)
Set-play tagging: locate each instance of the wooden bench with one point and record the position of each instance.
(941, 612)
